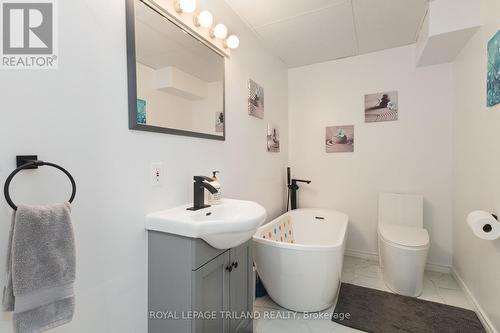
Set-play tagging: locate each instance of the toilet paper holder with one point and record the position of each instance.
(488, 227)
(484, 225)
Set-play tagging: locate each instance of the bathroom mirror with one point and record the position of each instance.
(175, 81)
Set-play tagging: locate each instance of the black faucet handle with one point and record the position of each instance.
(202, 179)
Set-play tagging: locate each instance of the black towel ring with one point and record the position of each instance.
(31, 165)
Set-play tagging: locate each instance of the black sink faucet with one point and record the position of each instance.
(199, 186)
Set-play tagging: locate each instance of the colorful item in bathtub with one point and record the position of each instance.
(280, 232)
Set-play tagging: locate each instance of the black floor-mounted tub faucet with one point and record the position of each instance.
(292, 189)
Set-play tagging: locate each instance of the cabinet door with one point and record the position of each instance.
(211, 293)
(240, 282)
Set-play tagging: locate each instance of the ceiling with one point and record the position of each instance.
(303, 32)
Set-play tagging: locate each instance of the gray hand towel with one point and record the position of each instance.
(40, 268)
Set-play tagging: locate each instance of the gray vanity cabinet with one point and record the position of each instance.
(210, 292)
(241, 285)
(187, 276)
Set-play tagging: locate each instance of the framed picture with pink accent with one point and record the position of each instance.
(381, 107)
(339, 139)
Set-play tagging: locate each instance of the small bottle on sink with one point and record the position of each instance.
(215, 198)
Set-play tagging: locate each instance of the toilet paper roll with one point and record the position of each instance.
(484, 225)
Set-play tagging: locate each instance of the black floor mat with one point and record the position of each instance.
(378, 311)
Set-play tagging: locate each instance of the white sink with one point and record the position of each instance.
(229, 224)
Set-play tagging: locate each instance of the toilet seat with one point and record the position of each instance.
(405, 236)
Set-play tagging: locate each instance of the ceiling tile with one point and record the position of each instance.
(385, 24)
(303, 32)
(315, 37)
(258, 13)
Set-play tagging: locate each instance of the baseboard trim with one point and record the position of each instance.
(438, 268)
(488, 325)
(361, 255)
(374, 257)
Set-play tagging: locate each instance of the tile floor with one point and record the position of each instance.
(438, 287)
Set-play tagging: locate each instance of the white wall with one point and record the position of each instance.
(448, 26)
(476, 171)
(162, 108)
(453, 15)
(412, 154)
(204, 111)
(77, 116)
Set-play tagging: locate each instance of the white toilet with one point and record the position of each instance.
(403, 242)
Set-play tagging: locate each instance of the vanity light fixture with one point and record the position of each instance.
(219, 31)
(232, 42)
(185, 6)
(203, 19)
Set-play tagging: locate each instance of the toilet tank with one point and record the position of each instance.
(401, 209)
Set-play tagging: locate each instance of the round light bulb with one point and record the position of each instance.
(205, 19)
(220, 31)
(233, 42)
(187, 6)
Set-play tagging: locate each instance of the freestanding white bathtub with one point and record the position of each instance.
(299, 258)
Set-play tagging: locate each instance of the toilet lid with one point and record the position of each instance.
(404, 235)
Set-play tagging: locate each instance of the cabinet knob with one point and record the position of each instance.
(235, 264)
(229, 268)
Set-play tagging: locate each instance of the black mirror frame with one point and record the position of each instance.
(132, 84)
